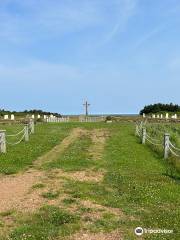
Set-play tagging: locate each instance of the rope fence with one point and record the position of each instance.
(167, 145)
(7, 139)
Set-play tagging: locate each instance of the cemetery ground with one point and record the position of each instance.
(86, 181)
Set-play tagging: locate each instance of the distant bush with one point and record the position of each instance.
(109, 118)
(27, 112)
(159, 107)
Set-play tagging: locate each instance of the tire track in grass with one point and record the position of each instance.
(14, 188)
(59, 149)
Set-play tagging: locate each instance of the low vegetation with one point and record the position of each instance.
(135, 189)
(160, 108)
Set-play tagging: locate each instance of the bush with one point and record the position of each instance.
(109, 118)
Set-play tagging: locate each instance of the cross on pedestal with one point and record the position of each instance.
(86, 105)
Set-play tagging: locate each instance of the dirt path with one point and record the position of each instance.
(115, 235)
(14, 189)
(99, 137)
(59, 149)
(17, 192)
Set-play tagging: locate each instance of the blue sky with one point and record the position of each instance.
(118, 54)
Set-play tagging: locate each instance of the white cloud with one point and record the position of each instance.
(149, 35)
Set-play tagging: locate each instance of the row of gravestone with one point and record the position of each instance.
(161, 116)
(12, 117)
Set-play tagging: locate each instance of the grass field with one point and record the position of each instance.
(99, 182)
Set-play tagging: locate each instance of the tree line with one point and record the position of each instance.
(160, 107)
(26, 112)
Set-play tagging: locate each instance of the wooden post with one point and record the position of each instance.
(2, 141)
(137, 130)
(143, 135)
(166, 145)
(32, 125)
(26, 137)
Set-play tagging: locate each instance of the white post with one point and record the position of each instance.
(2, 141)
(137, 130)
(26, 137)
(32, 125)
(143, 135)
(166, 145)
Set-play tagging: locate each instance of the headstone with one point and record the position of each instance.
(144, 115)
(38, 116)
(153, 116)
(161, 116)
(12, 117)
(45, 116)
(158, 116)
(32, 116)
(6, 117)
(175, 116)
(167, 115)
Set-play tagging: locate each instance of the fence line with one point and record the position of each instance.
(167, 144)
(26, 131)
(15, 135)
(91, 119)
(57, 119)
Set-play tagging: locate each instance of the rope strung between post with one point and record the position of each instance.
(30, 130)
(154, 140)
(17, 134)
(175, 148)
(12, 144)
(139, 134)
(177, 155)
(138, 130)
(156, 144)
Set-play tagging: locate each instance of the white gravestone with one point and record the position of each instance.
(167, 115)
(12, 117)
(38, 116)
(6, 117)
(32, 116)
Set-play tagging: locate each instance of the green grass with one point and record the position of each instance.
(107, 223)
(75, 158)
(135, 182)
(21, 156)
(38, 186)
(50, 195)
(49, 223)
(157, 131)
(69, 201)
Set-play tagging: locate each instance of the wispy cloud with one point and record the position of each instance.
(149, 35)
(29, 20)
(32, 20)
(125, 10)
